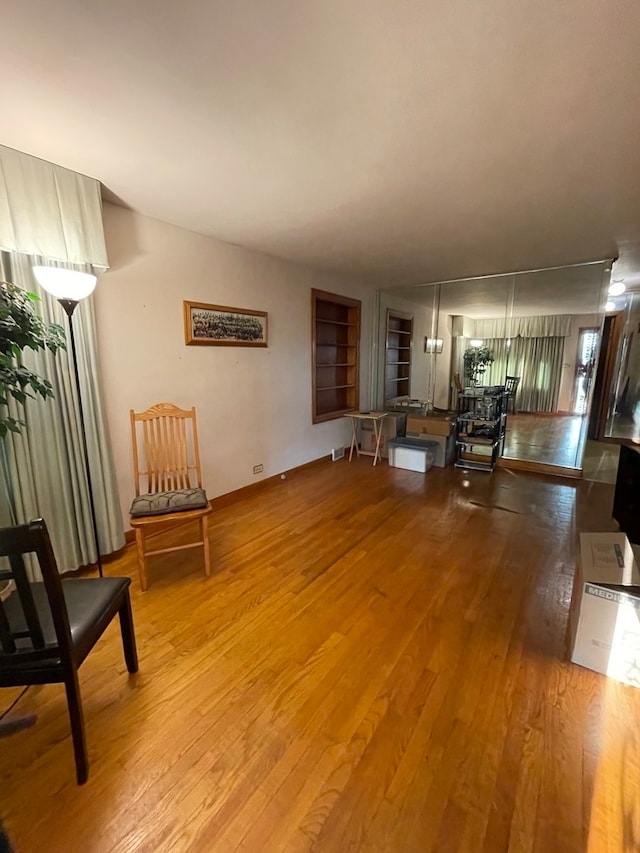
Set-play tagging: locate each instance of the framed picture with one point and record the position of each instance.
(216, 325)
(433, 345)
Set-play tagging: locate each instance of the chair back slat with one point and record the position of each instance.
(166, 456)
(7, 639)
(511, 384)
(28, 640)
(23, 587)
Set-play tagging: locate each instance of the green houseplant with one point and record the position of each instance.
(476, 361)
(21, 327)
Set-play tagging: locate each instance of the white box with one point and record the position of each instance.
(411, 455)
(392, 426)
(446, 447)
(605, 617)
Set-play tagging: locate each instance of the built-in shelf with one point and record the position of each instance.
(335, 332)
(397, 369)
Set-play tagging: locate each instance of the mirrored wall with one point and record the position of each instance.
(618, 415)
(537, 333)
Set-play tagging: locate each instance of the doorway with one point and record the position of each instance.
(603, 394)
(588, 341)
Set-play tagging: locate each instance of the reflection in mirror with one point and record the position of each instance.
(555, 333)
(407, 318)
(464, 306)
(622, 395)
(535, 333)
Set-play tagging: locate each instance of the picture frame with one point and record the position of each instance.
(220, 325)
(433, 345)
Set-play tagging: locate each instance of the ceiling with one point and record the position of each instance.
(405, 142)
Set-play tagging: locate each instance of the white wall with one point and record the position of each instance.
(253, 404)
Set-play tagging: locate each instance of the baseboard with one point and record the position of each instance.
(539, 468)
(245, 492)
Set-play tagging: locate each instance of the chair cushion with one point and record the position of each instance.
(165, 502)
(91, 604)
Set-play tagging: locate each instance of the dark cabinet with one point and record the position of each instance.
(626, 499)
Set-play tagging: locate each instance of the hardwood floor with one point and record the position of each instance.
(378, 663)
(546, 439)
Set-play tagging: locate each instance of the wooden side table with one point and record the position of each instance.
(376, 418)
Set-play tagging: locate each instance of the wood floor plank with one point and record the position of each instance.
(377, 663)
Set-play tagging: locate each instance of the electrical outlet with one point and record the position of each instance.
(257, 469)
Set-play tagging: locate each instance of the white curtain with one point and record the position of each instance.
(45, 467)
(50, 211)
(53, 216)
(538, 363)
(545, 326)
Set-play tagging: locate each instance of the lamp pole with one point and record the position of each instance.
(69, 306)
(69, 286)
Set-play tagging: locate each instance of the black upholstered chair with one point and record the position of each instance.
(48, 628)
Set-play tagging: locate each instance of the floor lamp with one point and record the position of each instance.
(69, 287)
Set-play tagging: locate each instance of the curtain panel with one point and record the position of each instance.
(49, 211)
(538, 363)
(44, 467)
(554, 326)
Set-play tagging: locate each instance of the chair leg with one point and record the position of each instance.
(74, 703)
(142, 568)
(205, 540)
(128, 634)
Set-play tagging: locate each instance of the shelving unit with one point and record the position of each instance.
(335, 333)
(480, 427)
(397, 369)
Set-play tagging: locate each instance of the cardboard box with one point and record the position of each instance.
(411, 455)
(446, 447)
(604, 619)
(430, 424)
(392, 426)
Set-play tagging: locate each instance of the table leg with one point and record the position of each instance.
(377, 428)
(354, 440)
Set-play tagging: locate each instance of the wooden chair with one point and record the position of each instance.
(165, 444)
(511, 387)
(48, 628)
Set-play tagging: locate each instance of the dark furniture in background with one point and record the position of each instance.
(626, 499)
(48, 628)
(511, 387)
(480, 427)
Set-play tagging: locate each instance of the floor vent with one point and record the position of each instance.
(337, 453)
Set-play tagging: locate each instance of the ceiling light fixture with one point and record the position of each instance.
(610, 306)
(616, 288)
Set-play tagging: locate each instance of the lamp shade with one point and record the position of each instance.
(65, 284)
